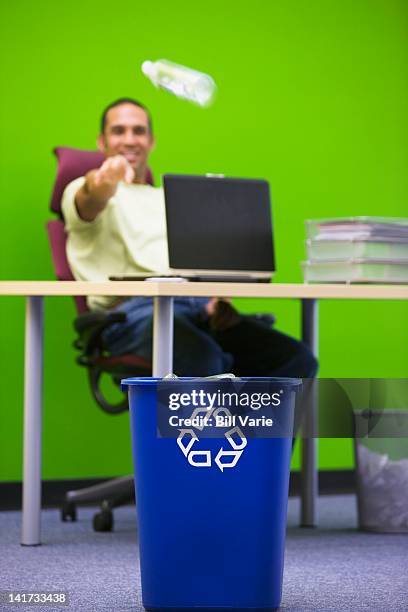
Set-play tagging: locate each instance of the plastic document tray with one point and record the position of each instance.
(329, 250)
(358, 228)
(355, 271)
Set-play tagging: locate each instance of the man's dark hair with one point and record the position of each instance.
(121, 101)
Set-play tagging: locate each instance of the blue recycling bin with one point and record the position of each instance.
(211, 501)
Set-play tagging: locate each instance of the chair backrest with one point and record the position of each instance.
(72, 163)
(58, 241)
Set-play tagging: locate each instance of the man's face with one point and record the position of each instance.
(127, 133)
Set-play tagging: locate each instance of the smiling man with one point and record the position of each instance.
(115, 220)
(116, 225)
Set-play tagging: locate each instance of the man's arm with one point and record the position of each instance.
(100, 185)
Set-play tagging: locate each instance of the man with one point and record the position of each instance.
(116, 225)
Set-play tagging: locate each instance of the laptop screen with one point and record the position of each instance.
(218, 223)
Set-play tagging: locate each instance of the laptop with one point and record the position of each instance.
(218, 229)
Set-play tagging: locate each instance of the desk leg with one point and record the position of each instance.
(162, 336)
(309, 470)
(33, 374)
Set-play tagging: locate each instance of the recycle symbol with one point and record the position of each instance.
(203, 458)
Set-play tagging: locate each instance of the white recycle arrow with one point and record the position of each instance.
(229, 435)
(207, 458)
(182, 434)
(207, 414)
(229, 464)
(221, 410)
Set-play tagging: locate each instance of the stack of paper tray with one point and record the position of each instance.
(357, 250)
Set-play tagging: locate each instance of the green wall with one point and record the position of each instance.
(312, 96)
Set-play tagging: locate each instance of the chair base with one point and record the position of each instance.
(111, 494)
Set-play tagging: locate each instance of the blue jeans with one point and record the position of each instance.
(250, 348)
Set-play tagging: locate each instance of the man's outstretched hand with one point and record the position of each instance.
(113, 170)
(100, 185)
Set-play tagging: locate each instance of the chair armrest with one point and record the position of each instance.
(90, 327)
(94, 319)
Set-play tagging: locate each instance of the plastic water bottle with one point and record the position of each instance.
(181, 81)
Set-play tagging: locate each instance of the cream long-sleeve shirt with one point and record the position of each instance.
(128, 236)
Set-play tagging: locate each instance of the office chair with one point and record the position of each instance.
(89, 326)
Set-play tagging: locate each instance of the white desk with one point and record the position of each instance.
(163, 292)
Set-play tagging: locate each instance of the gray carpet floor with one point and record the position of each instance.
(332, 568)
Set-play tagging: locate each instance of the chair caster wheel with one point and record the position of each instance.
(103, 521)
(68, 512)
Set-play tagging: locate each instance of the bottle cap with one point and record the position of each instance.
(148, 68)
